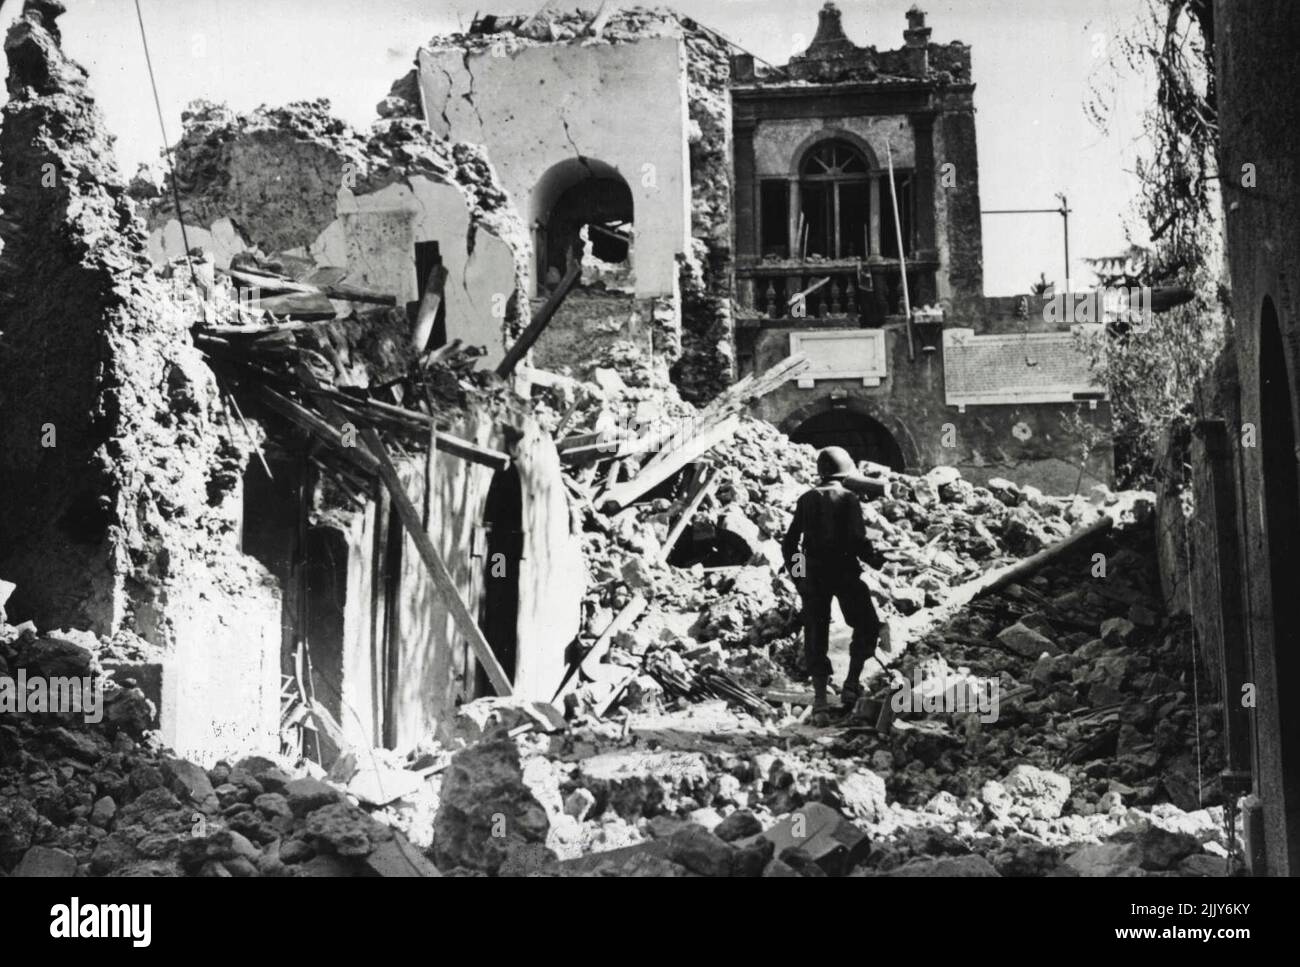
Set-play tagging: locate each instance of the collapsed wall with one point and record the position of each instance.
(290, 195)
(118, 477)
(386, 207)
(558, 100)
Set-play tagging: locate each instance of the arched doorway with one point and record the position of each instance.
(1282, 529)
(864, 437)
(503, 550)
(581, 207)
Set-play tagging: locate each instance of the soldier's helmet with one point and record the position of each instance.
(834, 462)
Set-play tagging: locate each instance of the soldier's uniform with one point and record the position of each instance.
(827, 527)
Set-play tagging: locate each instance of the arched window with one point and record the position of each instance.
(834, 189)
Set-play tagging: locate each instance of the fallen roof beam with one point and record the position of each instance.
(621, 494)
(534, 329)
(733, 400)
(704, 485)
(340, 291)
(1031, 565)
(442, 578)
(591, 658)
(447, 442)
(305, 418)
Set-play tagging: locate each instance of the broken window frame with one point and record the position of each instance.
(824, 170)
(774, 217)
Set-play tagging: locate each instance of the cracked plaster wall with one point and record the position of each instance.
(538, 107)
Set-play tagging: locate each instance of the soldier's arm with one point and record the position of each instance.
(793, 533)
(858, 534)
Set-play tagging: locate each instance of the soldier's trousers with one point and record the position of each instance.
(840, 582)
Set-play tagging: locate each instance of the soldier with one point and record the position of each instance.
(828, 521)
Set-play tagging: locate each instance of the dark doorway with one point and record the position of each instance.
(1282, 527)
(503, 549)
(863, 437)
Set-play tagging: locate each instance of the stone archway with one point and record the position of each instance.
(866, 433)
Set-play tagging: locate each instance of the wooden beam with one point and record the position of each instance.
(534, 329)
(305, 418)
(733, 400)
(447, 442)
(591, 658)
(620, 495)
(620, 686)
(346, 293)
(1030, 565)
(442, 579)
(704, 485)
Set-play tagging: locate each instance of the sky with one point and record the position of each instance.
(1034, 62)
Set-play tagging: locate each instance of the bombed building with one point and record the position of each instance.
(828, 207)
(416, 494)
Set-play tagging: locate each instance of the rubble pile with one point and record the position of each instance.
(95, 795)
(1086, 767)
(719, 593)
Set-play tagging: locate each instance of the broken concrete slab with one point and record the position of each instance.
(826, 836)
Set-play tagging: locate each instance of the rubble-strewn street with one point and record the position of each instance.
(1090, 766)
(462, 491)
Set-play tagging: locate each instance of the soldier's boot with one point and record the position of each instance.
(852, 689)
(821, 705)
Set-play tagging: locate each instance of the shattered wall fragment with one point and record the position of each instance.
(118, 475)
(297, 180)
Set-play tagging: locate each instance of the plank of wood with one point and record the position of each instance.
(601, 710)
(732, 401)
(275, 284)
(591, 658)
(1030, 565)
(298, 305)
(703, 486)
(620, 495)
(309, 421)
(534, 329)
(442, 579)
(447, 442)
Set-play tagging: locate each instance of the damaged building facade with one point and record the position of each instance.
(199, 492)
(514, 174)
(750, 216)
(420, 226)
(1239, 569)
